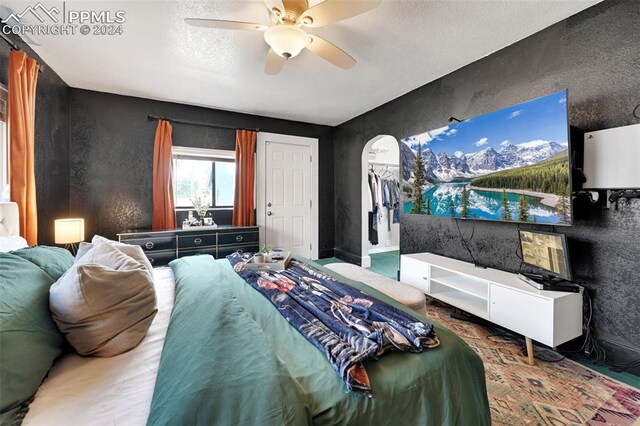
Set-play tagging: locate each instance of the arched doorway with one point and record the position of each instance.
(380, 231)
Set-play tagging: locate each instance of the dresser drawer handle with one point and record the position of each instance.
(197, 241)
(151, 260)
(149, 245)
(239, 238)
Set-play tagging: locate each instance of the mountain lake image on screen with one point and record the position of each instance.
(507, 165)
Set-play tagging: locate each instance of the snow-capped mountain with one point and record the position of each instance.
(486, 161)
(532, 152)
(443, 168)
(408, 161)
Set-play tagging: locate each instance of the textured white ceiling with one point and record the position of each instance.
(399, 46)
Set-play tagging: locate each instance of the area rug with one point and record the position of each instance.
(549, 393)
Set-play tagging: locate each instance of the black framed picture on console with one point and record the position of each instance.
(508, 165)
(548, 252)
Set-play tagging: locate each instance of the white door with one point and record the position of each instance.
(288, 197)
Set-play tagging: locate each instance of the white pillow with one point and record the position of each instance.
(135, 252)
(105, 303)
(12, 243)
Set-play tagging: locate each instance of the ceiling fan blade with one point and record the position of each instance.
(226, 25)
(274, 63)
(330, 52)
(330, 11)
(275, 6)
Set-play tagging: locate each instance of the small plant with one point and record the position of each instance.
(201, 206)
(266, 249)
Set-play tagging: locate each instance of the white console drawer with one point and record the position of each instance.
(415, 273)
(523, 313)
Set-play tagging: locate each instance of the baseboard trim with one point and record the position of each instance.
(348, 256)
(326, 253)
(384, 249)
(620, 354)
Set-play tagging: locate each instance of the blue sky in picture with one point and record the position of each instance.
(542, 119)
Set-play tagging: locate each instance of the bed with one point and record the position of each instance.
(218, 352)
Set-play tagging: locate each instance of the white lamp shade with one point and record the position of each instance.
(286, 40)
(69, 231)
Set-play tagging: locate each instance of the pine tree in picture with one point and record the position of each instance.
(452, 208)
(427, 210)
(506, 211)
(523, 209)
(419, 182)
(464, 203)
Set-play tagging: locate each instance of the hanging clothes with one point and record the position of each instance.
(384, 193)
(396, 201)
(373, 231)
(373, 209)
(371, 197)
(379, 194)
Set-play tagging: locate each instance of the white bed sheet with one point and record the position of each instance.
(107, 391)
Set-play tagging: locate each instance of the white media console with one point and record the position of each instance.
(548, 317)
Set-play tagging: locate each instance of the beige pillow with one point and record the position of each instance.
(105, 303)
(133, 251)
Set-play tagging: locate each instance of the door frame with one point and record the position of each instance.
(261, 189)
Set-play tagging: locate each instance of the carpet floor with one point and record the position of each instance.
(549, 393)
(385, 263)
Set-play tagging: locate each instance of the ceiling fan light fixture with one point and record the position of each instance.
(286, 40)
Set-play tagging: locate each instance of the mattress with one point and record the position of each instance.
(110, 391)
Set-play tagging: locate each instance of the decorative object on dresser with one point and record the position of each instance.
(549, 317)
(69, 232)
(161, 247)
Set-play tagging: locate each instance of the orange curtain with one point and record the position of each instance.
(23, 78)
(164, 213)
(243, 206)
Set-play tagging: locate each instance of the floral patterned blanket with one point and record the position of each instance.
(348, 326)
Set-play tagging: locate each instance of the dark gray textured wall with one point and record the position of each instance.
(111, 156)
(596, 55)
(51, 142)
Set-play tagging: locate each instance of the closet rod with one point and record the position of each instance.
(382, 163)
(196, 123)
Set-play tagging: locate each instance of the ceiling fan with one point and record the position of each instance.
(287, 37)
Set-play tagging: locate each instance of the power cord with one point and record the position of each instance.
(519, 249)
(465, 243)
(636, 112)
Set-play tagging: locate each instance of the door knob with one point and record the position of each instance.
(269, 213)
(268, 204)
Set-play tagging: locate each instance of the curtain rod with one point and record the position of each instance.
(195, 123)
(9, 42)
(14, 46)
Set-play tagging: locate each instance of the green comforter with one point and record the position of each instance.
(231, 358)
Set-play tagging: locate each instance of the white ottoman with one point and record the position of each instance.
(403, 293)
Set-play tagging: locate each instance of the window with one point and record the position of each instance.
(204, 173)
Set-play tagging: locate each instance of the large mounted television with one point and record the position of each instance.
(507, 165)
(546, 251)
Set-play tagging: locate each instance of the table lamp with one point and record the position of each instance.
(69, 232)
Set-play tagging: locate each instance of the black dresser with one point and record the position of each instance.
(161, 247)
